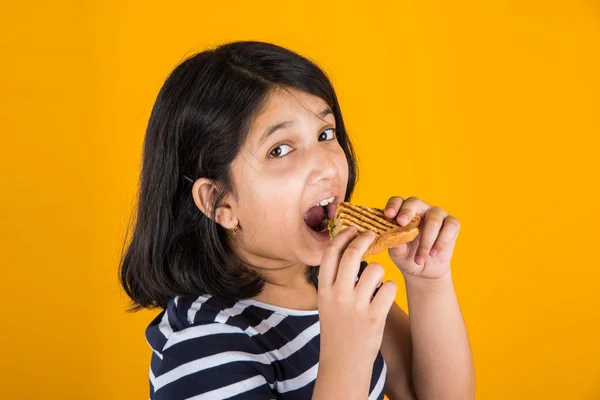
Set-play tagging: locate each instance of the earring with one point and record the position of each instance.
(235, 229)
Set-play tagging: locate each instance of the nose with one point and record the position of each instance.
(322, 166)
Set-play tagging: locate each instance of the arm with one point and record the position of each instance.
(442, 365)
(351, 316)
(396, 349)
(433, 344)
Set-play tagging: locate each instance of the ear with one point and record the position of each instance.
(204, 191)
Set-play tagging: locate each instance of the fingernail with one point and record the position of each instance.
(389, 211)
(433, 252)
(419, 260)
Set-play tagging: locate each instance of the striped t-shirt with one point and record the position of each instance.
(208, 348)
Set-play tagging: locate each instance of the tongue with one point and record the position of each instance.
(314, 216)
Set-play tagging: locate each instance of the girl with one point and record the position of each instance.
(243, 144)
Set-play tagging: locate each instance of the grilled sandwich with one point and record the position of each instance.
(388, 232)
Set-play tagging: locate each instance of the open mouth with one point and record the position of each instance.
(317, 216)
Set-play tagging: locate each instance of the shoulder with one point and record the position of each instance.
(200, 345)
(201, 316)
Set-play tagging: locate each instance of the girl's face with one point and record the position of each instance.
(289, 163)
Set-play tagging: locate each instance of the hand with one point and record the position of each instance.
(428, 256)
(352, 319)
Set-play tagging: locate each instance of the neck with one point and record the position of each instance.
(294, 297)
(286, 284)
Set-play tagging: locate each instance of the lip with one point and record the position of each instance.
(321, 237)
(324, 236)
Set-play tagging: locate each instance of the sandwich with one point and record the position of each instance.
(388, 232)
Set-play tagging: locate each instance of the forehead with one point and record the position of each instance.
(291, 98)
(286, 105)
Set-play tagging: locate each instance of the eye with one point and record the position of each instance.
(327, 136)
(280, 151)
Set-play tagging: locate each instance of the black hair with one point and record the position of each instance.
(197, 126)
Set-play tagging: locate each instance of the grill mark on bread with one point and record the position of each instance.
(360, 224)
(376, 211)
(359, 227)
(365, 217)
(388, 232)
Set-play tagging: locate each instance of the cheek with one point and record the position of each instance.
(268, 226)
(342, 164)
(261, 193)
(270, 208)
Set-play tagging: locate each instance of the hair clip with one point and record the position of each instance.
(187, 178)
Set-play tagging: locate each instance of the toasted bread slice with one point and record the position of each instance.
(388, 232)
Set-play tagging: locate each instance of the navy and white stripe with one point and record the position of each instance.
(206, 348)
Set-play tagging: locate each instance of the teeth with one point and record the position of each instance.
(323, 203)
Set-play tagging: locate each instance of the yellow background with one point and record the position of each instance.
(489, 109)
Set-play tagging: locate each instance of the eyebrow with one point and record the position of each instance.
(274, 128)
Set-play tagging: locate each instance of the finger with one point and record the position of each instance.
(350, 261)
(383, 300)
(448, 234)
(331, 256)
(368, 282)
(410, 207)
(392, 206)
(434, 218)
